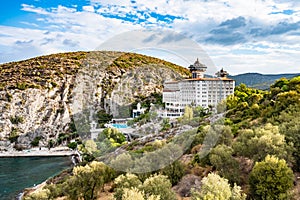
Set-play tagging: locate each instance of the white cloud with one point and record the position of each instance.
(71, 29)
(31, 8)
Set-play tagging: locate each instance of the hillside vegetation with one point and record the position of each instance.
(256, 156)
(41, 71)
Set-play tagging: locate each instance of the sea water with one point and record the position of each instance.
(23, 172)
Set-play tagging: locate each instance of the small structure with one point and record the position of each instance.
(138, 111)
(94, 130)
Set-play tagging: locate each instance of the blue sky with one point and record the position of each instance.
(241, 36)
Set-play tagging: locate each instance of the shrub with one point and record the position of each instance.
(221, 158)
(35, 142)
(133, 193)
(16, 119)
(42, 194)
(72, 145)
(271, 179)
(258, 143)
(127, 181)
(155, 187)
(159, 185)
(174, 172)
(13, 136)
(215, 187)
(88, 180)
(137, 195)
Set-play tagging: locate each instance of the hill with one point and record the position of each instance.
(259, 81)
(40, 98)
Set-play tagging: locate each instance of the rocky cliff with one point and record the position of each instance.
(41, 97)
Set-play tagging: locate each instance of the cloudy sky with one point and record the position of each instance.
(241, 36)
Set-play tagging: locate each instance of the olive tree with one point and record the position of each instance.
(271, 179)
(215, 187)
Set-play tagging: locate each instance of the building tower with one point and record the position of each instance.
(197, 69)
(222, 73)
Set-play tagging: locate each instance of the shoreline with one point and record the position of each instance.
(36, 152)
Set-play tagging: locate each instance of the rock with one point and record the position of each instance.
(189, 181)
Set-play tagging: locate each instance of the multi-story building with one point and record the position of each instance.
(197, 91)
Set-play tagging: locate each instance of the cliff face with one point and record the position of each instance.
(40, 97)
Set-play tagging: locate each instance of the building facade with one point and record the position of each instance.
(197, 91)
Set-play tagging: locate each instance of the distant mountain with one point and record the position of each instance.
(260, 81)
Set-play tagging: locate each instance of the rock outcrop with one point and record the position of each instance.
(40, 97)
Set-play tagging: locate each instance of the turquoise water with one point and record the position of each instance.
(120, 125)
(19, 173)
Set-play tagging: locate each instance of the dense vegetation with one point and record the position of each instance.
(256, 154)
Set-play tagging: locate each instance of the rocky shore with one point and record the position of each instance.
(58, 151)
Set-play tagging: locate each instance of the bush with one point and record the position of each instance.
(271, 179)
(36, 141)
(88, 180)
(14, 135)
(174, 172)
(16, 119)
(258, 143)
(215, 187)
(42, 194)
(127, 181)
(72, 145)
(221, 158)
(155, 187)
(159, 185)
(133, 193)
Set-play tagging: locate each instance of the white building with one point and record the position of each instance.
(138, 111)
(198, 91)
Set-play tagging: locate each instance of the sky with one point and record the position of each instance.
(240, 36)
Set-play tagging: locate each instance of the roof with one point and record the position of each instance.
(166, 90)
(171, 82)
(209, 79)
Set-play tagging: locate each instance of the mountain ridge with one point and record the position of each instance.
(258, 80)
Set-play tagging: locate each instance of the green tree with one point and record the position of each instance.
(221, 158)
(90, 146)
(215, 187)
(290, 128)
(271, 179)
(154, 187)
(127, 181)
(88, 180)
(188, 113)
(158, 185)
(175, 171)
(42, 194)
(103, 117)
(135, 194)
(258, 143)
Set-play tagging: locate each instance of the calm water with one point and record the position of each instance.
(120, 125)
(19, 173)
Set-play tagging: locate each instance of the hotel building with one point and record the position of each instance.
(197, 91)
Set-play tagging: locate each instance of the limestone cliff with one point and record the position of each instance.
(39, 97)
